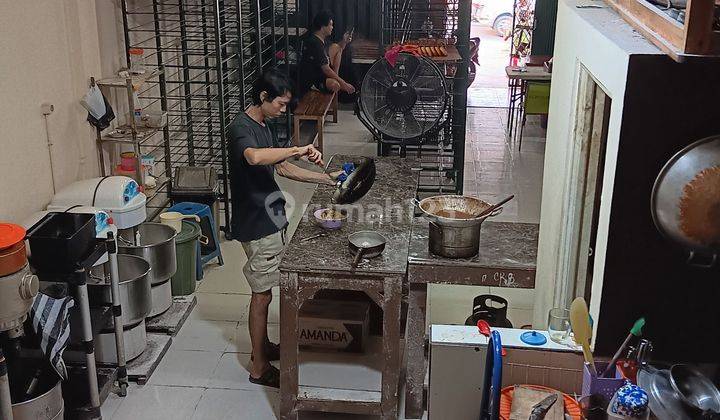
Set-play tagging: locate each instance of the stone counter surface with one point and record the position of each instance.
(387, 209)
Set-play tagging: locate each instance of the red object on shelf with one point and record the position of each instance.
(483, 327)
(628, 369)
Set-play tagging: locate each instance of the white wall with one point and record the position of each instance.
(600, 41)
(48, 51)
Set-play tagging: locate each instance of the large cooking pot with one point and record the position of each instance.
(16, 297)
(135, 295)
(156, 245)
(455, 224)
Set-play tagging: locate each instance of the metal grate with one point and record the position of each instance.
(211, 52)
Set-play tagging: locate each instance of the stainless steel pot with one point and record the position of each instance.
(47, 406)
(16, 297)
(134, 342)
(135, 291)
(156, 244)
(454, 224)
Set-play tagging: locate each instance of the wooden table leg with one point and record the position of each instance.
(289, 306)
(392, 298)
(296, 129)
(335, 106)
(415, 351)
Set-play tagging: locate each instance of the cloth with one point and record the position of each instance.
(51, 322)
(258, 205)
(100, 113)
(313, 56)
(264, 255)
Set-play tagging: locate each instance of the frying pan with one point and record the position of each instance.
(357, 183)
(366, 244)
(668, 190)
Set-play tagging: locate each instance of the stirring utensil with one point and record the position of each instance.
(495, 206)
(635, 331)
(580, 322)
(310, 238)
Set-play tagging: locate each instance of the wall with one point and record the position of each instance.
(49, 49)
(600, 41)
(667, 106)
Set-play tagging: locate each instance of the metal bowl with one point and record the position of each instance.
(330, 224)
(135, 294)
(695, 389)
(668, 190)
(456, 210)
(157, 247)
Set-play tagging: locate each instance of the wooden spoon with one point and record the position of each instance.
(580, 322)
(495, 206)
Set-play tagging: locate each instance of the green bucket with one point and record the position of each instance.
(186, 249)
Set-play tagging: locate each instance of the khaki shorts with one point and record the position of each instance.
(264, 255)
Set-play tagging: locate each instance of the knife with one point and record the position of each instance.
(540, 409)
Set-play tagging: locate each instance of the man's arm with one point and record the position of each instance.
(296, 173)
(272, 155)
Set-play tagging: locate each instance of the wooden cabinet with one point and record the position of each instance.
(694, 37)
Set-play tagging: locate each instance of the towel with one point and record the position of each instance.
(51, 322)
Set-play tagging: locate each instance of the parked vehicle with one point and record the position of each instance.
(496, 13)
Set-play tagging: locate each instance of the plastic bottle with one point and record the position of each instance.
(138, 108)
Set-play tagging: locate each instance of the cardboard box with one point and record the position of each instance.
(334, 324)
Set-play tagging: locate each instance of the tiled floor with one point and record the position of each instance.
(203, 375)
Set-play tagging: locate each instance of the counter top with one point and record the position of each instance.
(507, 257)
(387, 209)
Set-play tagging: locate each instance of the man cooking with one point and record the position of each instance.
(314, 68)
(258, 207)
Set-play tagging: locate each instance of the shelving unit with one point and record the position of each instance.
(209, 53)
(143, 140)
(441, 155)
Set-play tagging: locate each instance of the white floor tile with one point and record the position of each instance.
(230, 404)
(186, 368)
(241, 338)
(232, 373)
(198, 334)
(159, 403)
(221, 307)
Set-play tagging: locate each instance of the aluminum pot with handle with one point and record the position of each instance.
(366, 244)
(455, 222)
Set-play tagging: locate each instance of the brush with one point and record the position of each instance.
(635, 331)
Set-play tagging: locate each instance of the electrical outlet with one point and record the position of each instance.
(47, 108)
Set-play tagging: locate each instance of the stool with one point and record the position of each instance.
(207, 226)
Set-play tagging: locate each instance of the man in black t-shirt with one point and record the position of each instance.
(314, 69)
(258, 206)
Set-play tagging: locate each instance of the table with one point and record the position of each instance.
(519, 76)
(325, 263)
(507, 258)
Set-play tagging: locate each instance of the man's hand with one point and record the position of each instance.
(312, 154)
(336, 174)
(348, 88)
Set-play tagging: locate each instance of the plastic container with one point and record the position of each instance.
(605, 387)
(61, 240)
(186, 249)
(137, 60)
(128, 161)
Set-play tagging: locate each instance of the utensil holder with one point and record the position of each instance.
(606, 387)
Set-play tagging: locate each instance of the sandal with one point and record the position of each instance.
(271, 378)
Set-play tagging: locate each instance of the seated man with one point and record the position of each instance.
(339, 53)
(314, 69)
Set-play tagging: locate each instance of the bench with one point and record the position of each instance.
(314, 106)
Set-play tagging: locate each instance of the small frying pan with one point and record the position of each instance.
(366, 244)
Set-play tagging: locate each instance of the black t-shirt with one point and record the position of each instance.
(258, 205)
(313, 55)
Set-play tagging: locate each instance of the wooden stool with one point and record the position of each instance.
(314, 106)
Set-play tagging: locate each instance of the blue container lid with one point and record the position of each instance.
(533, 338)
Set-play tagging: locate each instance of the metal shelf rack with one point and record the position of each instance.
(442, 157)
(210, 51)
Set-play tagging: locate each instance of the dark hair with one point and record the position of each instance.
(274, 83)
(322, 18)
